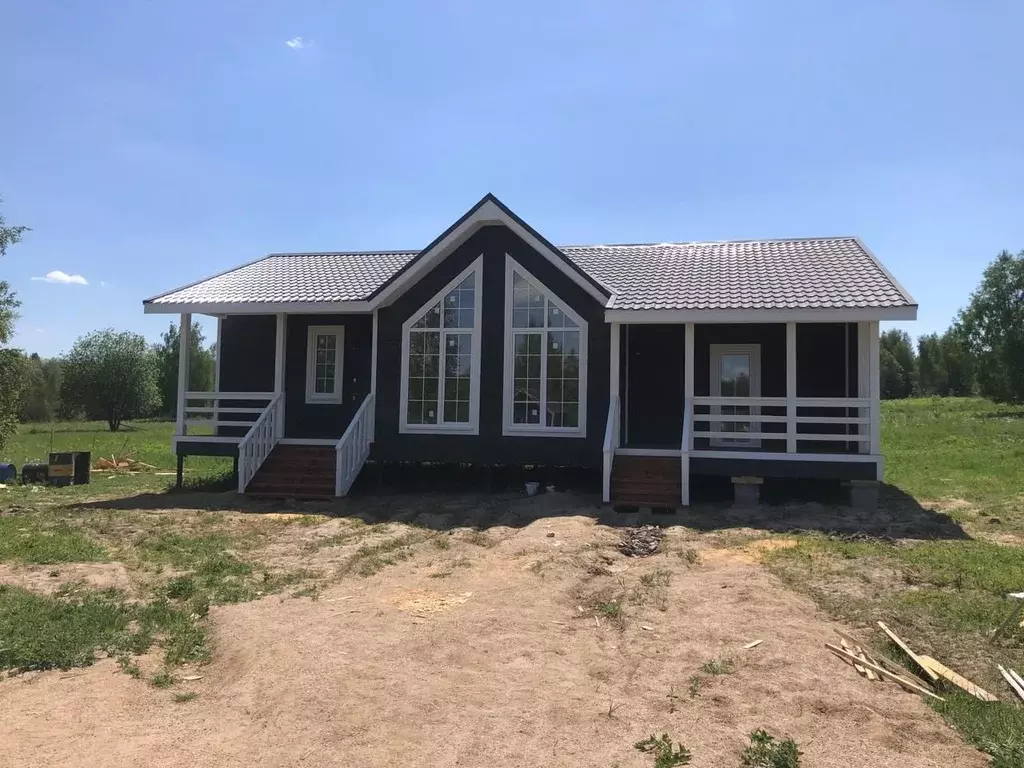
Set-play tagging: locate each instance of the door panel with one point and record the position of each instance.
(654, 385)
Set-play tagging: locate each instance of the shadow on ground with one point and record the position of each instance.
(787, 507)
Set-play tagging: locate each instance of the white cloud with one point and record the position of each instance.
(298, 43)
(62, 277)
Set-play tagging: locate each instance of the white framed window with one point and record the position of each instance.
(325, 358)
(441, 359)
(545, 390)
(735, 372)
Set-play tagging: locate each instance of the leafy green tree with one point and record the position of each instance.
(11, 360)
(958, 364)
(931, 367)
(992, 327)
(40, 396)
(200, 370)
(111, 376)
(897, 364)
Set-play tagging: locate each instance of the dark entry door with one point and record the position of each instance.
(654, 385)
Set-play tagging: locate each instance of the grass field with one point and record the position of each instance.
(145, 441)
(961, 459)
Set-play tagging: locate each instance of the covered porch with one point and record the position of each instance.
(282, 379)
(769, 399)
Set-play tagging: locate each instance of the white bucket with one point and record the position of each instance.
(531, 489)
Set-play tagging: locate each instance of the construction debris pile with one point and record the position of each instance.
(120, 464)
(642, 541)
(931, 674)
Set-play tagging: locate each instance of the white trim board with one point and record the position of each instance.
(473, 426)
(266, 308)
(508, 429)
(829, 315)
(486, 214)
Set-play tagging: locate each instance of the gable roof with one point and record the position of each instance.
(756, 275)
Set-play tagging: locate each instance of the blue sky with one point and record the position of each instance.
(151, 144)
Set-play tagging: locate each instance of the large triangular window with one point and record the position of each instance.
(441, 359)
(545, 359)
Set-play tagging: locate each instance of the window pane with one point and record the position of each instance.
(735, 373)
(555, 317)
(520, 318)
(430, 319)
(414, 414)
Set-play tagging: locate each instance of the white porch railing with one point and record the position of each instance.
(207, 409)
(747, 415)
(260, 440)
(611, 442)
(354, 446)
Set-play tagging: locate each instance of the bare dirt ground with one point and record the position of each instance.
(492, 648)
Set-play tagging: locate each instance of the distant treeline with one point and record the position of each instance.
(58, 388)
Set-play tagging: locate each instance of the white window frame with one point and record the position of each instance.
(337, 396)
(472, 427)
(717, 351)
(539, 430)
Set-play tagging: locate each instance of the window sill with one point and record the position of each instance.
(438, 429)
(566, 432)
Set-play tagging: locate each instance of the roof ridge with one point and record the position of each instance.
(344, 253)
(832, 239)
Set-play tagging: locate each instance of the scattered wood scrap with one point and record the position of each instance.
(1014, 680)
(959, 681)
(882, 672)
(906, 649)
(119, 463)
(753, 644)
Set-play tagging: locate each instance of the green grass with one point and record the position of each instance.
(40, 539)
(963, 457)
(957, 448)
(67, 629)
(145, 441)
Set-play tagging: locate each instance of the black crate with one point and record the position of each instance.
(69, 468)
(34, 473)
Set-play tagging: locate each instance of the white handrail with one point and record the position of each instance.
(611, 442)
(354, 446)
(259, 441)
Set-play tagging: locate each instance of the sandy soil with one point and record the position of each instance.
(48, 578)
(481, 656)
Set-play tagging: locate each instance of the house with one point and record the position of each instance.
(653, 362)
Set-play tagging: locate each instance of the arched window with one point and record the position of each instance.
(545, 360)
(441, 359)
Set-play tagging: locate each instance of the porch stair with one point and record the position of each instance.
(296, 472)
(646, 481)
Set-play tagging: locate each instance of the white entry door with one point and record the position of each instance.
(735, 372)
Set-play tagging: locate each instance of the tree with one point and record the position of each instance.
(898, 373)
(931, 367)
(111, 376)
(11, 360)
(40, 395)
(992, 327)
(200, 370)
(958, 364)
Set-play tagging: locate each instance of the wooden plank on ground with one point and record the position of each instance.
(906, 649)
(907, 684)
(852, 645)
(1017, 687)
(958, 680)
(859, 667)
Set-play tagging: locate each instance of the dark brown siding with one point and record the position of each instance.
(326, 420)
(490, 446)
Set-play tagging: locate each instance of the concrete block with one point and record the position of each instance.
(746, 492)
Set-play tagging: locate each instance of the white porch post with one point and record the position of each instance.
(373, 379)
(216, 373)
(279, 359)
(864, 381)
(790, 387)
(184, 346)
(613, 382)
(687, 445)
(875, 387)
